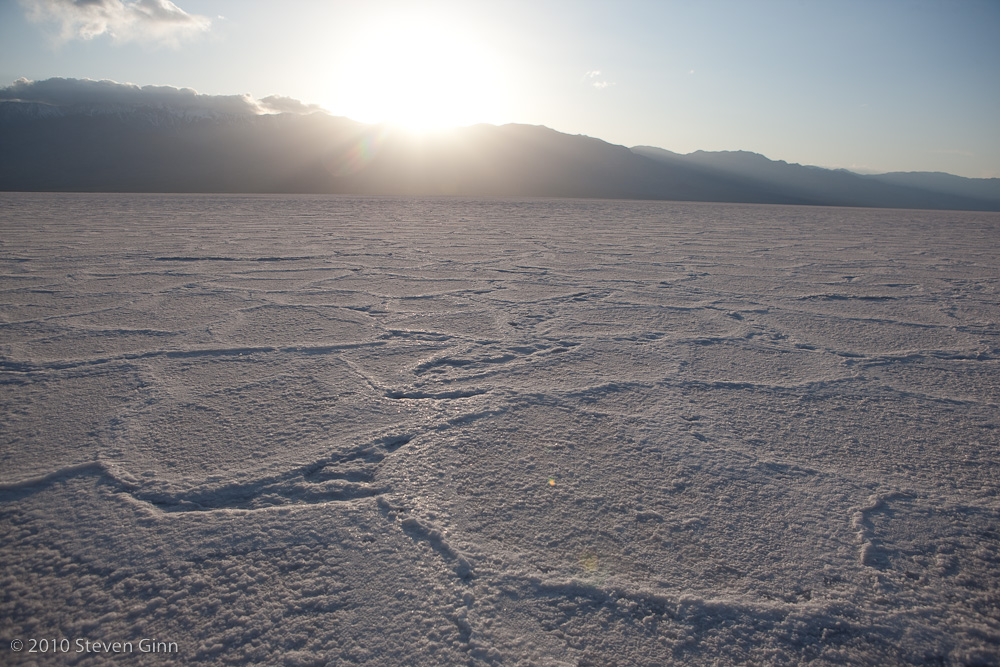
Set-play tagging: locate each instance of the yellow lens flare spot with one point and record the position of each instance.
(552, 481)
(589, 563)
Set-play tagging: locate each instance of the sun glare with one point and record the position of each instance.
(420, 73)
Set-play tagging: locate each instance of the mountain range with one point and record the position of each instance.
(141, 142)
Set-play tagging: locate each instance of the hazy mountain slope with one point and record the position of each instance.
(979, 188)
(814, 185)
(158, 148)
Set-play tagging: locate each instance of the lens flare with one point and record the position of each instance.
(358, 154)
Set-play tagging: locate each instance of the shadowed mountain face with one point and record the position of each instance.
(157, 148)
(795, 183)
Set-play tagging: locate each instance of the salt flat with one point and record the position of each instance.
(311, 430)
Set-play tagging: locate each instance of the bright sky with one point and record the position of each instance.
(880, 85)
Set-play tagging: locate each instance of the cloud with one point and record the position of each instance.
(595, 79)
(158, 21)
(69, 92)
(280, 104)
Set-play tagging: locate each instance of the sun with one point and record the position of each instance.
(419, 72)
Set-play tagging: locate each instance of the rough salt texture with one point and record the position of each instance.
(308, 430)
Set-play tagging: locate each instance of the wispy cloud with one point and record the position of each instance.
(596, 79)
(281, 104)
(155, 21)
(70, 92)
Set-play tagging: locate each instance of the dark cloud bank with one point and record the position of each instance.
(86, 95)
(84, 135)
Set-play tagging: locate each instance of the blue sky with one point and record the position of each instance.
(879, 85)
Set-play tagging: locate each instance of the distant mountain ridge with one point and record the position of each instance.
(839, 187)
(200, 146)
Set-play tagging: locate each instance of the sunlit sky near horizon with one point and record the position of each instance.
(874, 85)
